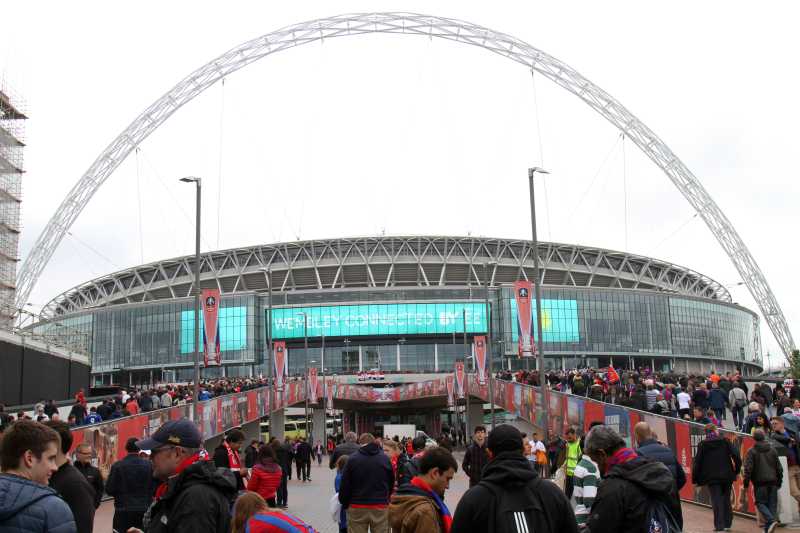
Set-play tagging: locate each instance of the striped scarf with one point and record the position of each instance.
(621, 456)
(444, 512)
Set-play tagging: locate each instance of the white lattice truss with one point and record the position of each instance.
(427, 26)
(382, 262)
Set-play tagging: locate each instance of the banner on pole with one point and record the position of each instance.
(522, 294)
(450, 395)
(280, 362)
(329, 393)
(211, 347)
(460, 379)
(480, 358)
(313, 381)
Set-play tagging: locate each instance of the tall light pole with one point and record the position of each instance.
(489, 338)
(196, 393)
(305, 357)
(270, 358)
(324, 393)
(466, 381)
(538, 292)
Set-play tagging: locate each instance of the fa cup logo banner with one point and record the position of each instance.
(329, 393)
(312, 385)
(450, 397)
(480, 358)
(211, 348)
(279, 351)
(460, 378)
(522, 293)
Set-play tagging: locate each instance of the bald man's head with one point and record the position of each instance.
(642, 432)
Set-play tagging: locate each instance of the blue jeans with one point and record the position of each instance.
(767, 501)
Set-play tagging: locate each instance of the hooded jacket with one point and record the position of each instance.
(509, 491)
(655, 450)
(413, 511)
(761, 465)
(368, 478)
(197, 499)
(716, 462)
(345, 448)
(621, 504)
(28, 507)
(265, 479)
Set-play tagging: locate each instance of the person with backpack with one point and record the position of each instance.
(648, 446)
(636, 493)
(763, 468)
(475, 457)
(716, 465)
(511, 497)
(408, 467)
(737, 398)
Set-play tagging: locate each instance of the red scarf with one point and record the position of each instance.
(186, 463)
(233, 458)
(621, 456)
(444, 512)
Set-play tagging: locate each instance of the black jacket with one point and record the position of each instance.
(222, 460)
(717, 462)
(368, 478)
(198, 499)
(131, 484)
(621, 505)
(345, 448)
(283, 453)
(250, 455)
(95, 479)
(303, 453)
(509, 487)
(655, 450)
(761, 465)
(475, 459)
(79, 495)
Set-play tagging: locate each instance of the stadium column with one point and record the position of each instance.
(318, 421)
(277, 421)
(475, 416)
(252, 431)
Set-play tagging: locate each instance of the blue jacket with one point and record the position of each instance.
(367, 478)
(717, 399)
(28, 507)
(337, 483)
(655, 450)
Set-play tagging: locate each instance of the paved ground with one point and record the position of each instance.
(310, 502)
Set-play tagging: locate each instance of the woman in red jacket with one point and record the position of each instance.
(266, 476)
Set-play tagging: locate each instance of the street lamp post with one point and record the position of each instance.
(324, 393)
(196, 393)
(538, 293)
(270, 356)
(305, 357)
(489, 339)
(466, 380)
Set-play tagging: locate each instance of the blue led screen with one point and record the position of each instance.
(232, 329)
(559, 320)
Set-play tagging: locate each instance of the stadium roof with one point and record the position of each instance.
(421, 261)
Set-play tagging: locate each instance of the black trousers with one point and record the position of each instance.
(569, 486)
(282, 496)
(127, 519)
(721, 505)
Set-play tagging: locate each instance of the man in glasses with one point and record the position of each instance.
(194, 495)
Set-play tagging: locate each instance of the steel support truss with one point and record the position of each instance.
(427, 26)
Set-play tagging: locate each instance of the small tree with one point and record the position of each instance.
(794, 368)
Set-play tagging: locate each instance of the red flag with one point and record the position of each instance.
(312, 384)
(480, 358)
(211, 347)
(450, 396)
(279, 353)
(522, 294)
(613, 377)
(460, 378)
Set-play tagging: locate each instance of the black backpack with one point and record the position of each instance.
(660, 519)
(513, 510)
(407, 471)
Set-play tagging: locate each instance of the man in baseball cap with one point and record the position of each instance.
(194, 494)
(511, 496)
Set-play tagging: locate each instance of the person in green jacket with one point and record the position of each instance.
(569, 458)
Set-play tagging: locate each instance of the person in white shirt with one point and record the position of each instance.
(537, 448)
(684, 406)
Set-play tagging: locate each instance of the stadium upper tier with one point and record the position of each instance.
(377, 262)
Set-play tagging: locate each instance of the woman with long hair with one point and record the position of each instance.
(251, 514)
(266, 476)
(246, 506)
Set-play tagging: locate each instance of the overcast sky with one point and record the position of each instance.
(407, 135)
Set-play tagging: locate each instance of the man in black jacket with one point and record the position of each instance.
(83, 462)
(226, 455)
(348, 447)
(631, 488)
(285, 461)
(71, 484)
(303, 460)
(475, 457)
(194, 494)
(511, 497)
(648, 446)
(367, 484)
(762, 467)
(716, 464)
(130, 482)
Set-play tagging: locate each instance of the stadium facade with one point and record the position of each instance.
(402, 304)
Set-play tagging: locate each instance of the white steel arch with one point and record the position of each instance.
(412, 24)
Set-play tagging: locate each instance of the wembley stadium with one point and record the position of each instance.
(405, 305)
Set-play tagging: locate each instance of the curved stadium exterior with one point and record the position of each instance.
(402, 304)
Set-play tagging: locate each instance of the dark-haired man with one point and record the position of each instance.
(194, 494)
(418, 506)
(226, 455)
(475, 457)
(367, 483)
(71, 484)
(83, 462)
(130, 482)
(28, 460)
(511, 496)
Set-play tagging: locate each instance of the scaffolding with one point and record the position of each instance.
(12, 144)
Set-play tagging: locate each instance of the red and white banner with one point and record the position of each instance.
(522, 294)
(450, 396)
(211, 348)
(460, 378)
(280, 364)
(329, 386)
(480, 358)
(313, 382)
